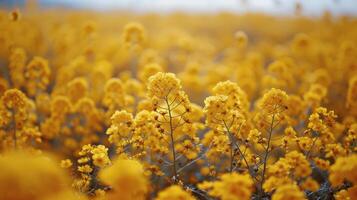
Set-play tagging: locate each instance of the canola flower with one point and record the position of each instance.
(230, 186)
(127, 179)
(174, 192)
(169, 107)
(43, 179)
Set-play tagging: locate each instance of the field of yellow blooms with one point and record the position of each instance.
(121, 106)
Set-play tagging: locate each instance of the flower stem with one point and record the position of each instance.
(172, 142)
(237, 146)
(266, 155)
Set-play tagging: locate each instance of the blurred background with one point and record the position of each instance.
(275, 7)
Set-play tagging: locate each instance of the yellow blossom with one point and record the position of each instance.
(230, 186)
(33, 177)
(174, 193)
(289, 191)
(127, 178)
(67, 163)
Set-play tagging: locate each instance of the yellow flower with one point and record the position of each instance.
(122, 123)
(174, 192)
(276, 107)
(149, 70)
(17, 62)
(344, 168)
(85, 169)
(274, 182)
(290, 132)
(351, 93)
(301, 43)
(162, 84)
(310, 184)
(114, 95)
(221, 114)
(274, 102)
(230, 186)
(323, 164)
(289, 191)
(241, 39)
(14, 99)
(254, 136)
(343, 195)
(294, 164)
(134, 34)
(83, 160)
(100, 156)
(37, 73)
(300, 165)
(77, 89)
(315, 95)
(100, 160)
(127, 179)
(32, 177)
(335, 150)
(237, 98)
(67, 163)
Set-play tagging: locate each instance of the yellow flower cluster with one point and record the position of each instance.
(92, 157)
(161, 85)
(121, 125)
(174, 193)
(134, 34)
(37, 74)
(41, 180)
(230, 186)
(274, 102)
(227, 108)
(295, 165)
(344, 170)
(15, 109)
(246, 106)
(288, 192)
(127, 179)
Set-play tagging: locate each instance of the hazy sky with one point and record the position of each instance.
(310, 7)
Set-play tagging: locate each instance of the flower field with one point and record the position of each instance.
(178, 106)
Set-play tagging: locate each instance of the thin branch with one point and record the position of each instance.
(266, 155)
(172, 141)
(193, 161)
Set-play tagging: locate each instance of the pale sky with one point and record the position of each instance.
(310, 7)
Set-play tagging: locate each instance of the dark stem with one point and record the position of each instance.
(14, 124)
(266, 156)
(236, 145)
(172, 141)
